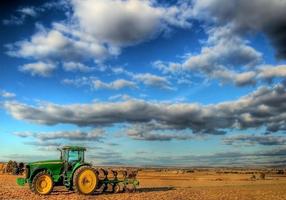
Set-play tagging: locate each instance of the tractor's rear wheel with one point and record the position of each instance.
(42, 183)
(85, 180)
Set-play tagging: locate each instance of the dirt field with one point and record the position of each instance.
(170, 185)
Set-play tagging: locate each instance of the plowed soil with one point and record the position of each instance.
(169, 185)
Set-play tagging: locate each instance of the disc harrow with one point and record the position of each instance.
(116, 181)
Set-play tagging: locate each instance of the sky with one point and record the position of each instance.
(144, 82)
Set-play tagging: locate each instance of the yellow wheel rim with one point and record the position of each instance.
(44, 184)
(87, 181)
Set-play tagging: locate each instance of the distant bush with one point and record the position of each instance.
(14, 168)
(262, 176)
(253, 177)
(10, 166)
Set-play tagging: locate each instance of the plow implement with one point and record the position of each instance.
(116, 181)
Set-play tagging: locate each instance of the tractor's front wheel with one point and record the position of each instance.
(42, 183)
(85, 180)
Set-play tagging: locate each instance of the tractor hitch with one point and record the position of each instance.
(21, 181)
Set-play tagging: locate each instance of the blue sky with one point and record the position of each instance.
(187, 83)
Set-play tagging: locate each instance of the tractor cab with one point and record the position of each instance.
(72, 154)
(72, 158)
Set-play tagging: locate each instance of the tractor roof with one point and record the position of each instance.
(74, 148)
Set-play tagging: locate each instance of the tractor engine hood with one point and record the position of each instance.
(46, 162)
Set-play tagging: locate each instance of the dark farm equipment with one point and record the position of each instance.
(75, 174)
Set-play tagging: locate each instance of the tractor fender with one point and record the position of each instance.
(78, 165)
(36, 171)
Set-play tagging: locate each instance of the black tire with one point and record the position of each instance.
(76, 182)
(33, 186)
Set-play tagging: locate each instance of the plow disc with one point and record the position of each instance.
(116, 180)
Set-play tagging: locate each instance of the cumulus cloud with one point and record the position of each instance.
(248, 16)
(255, 139)
(145, 78)
(265, 107)
(78, 82)
(91, 32)
(74, 67)
(224, 56)
(153, 131)
(114, 85)
(96, 84)
(56, 45)
(259, 73)
(144, 19)
(21, 16)
(223, 49)
(28, 11)
(38, 69)
(44, 144)
(153, 80)
(119, 97)
(269, 72)
(6, 94)
(272, 157)
(77, 135)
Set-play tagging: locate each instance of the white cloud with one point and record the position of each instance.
(153, 131)
(223, 49)
(114, 85)
(92, 32)
(263, 108)
(253, 139)
(247, 16)
(24, 13)
(119, 97)
(38, 69)
(31, 11)
(145, 78)
(6, 94)
(21, 16)
(73, 67)
(95, 83)
(245, 78)
(224, 56)
(131, 21)
(270, 72)
(55, 45)
(77, 135)
(153, 80)
(79, 81)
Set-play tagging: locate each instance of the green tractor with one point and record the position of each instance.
(75, 174)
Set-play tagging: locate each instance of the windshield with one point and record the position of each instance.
(75, 156)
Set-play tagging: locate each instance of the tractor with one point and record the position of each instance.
(75, 174)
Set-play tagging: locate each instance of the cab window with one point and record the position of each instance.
(73, 156)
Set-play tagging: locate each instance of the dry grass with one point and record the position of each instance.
(155, 184)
